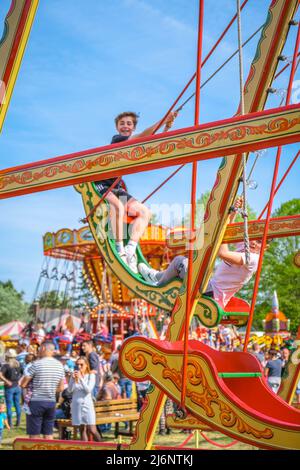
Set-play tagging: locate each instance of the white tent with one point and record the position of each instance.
(12, 328)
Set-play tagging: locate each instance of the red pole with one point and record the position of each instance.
(163, 183)
(193, 210)
(270, 205)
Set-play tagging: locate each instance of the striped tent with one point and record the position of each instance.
(12, 328)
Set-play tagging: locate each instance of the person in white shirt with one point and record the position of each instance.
(229, 277)
(231, 274)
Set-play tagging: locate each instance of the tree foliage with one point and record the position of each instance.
(54, 299)
(85, 299)
(201, 206)
(12, 304)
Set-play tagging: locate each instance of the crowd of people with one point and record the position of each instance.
(47, 385)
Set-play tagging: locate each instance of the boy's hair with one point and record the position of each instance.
(133, 115)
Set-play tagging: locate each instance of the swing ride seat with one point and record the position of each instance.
(211, 314)
(160, 296)
(103, 339)
(82, 337)
(225, 390)
(64, 341)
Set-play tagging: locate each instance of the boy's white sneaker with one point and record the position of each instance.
(149, 274)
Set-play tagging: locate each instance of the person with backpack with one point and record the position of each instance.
(63, 411)
(273, 370)
(10, 374)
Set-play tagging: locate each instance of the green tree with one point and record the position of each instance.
(53, 299)
(279, 273)
(12, 304)
(85, 299)
(200, 210)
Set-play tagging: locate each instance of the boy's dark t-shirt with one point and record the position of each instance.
(274, 367)
(107, 183)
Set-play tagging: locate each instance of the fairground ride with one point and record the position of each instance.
(226, 391)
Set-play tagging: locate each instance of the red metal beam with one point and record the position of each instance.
(230, 136)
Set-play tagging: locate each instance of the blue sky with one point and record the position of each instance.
(87, 61)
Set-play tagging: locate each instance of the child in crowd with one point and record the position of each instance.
(3, 420)
(68, 333)
(27, 392)
(39, 332)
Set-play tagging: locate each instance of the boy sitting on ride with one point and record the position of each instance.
(229, 277)
(120, 201)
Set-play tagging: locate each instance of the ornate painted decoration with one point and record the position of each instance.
(161, 297)
(17, 28)
(237, 134)
(279, 227)
(212, 399)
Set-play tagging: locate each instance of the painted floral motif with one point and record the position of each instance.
(197, 141)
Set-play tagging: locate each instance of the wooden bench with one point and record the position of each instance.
(108, 411)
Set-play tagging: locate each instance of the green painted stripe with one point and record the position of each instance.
(235, 314)
(239, 374)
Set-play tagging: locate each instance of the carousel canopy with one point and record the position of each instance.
(13, 328)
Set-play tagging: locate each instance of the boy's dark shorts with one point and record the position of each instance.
(121, 194)
(41, 420)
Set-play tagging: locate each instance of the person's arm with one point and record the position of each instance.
(232, 257)
(266, 370)
(71, 384)
(7, 424)
(168, 122)
(28, 377)
(5, 380)
(25, 381)
(94, 363)
(89, 386)
(225, 254)
(61, 386)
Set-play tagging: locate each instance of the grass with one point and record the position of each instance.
(176, 438)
